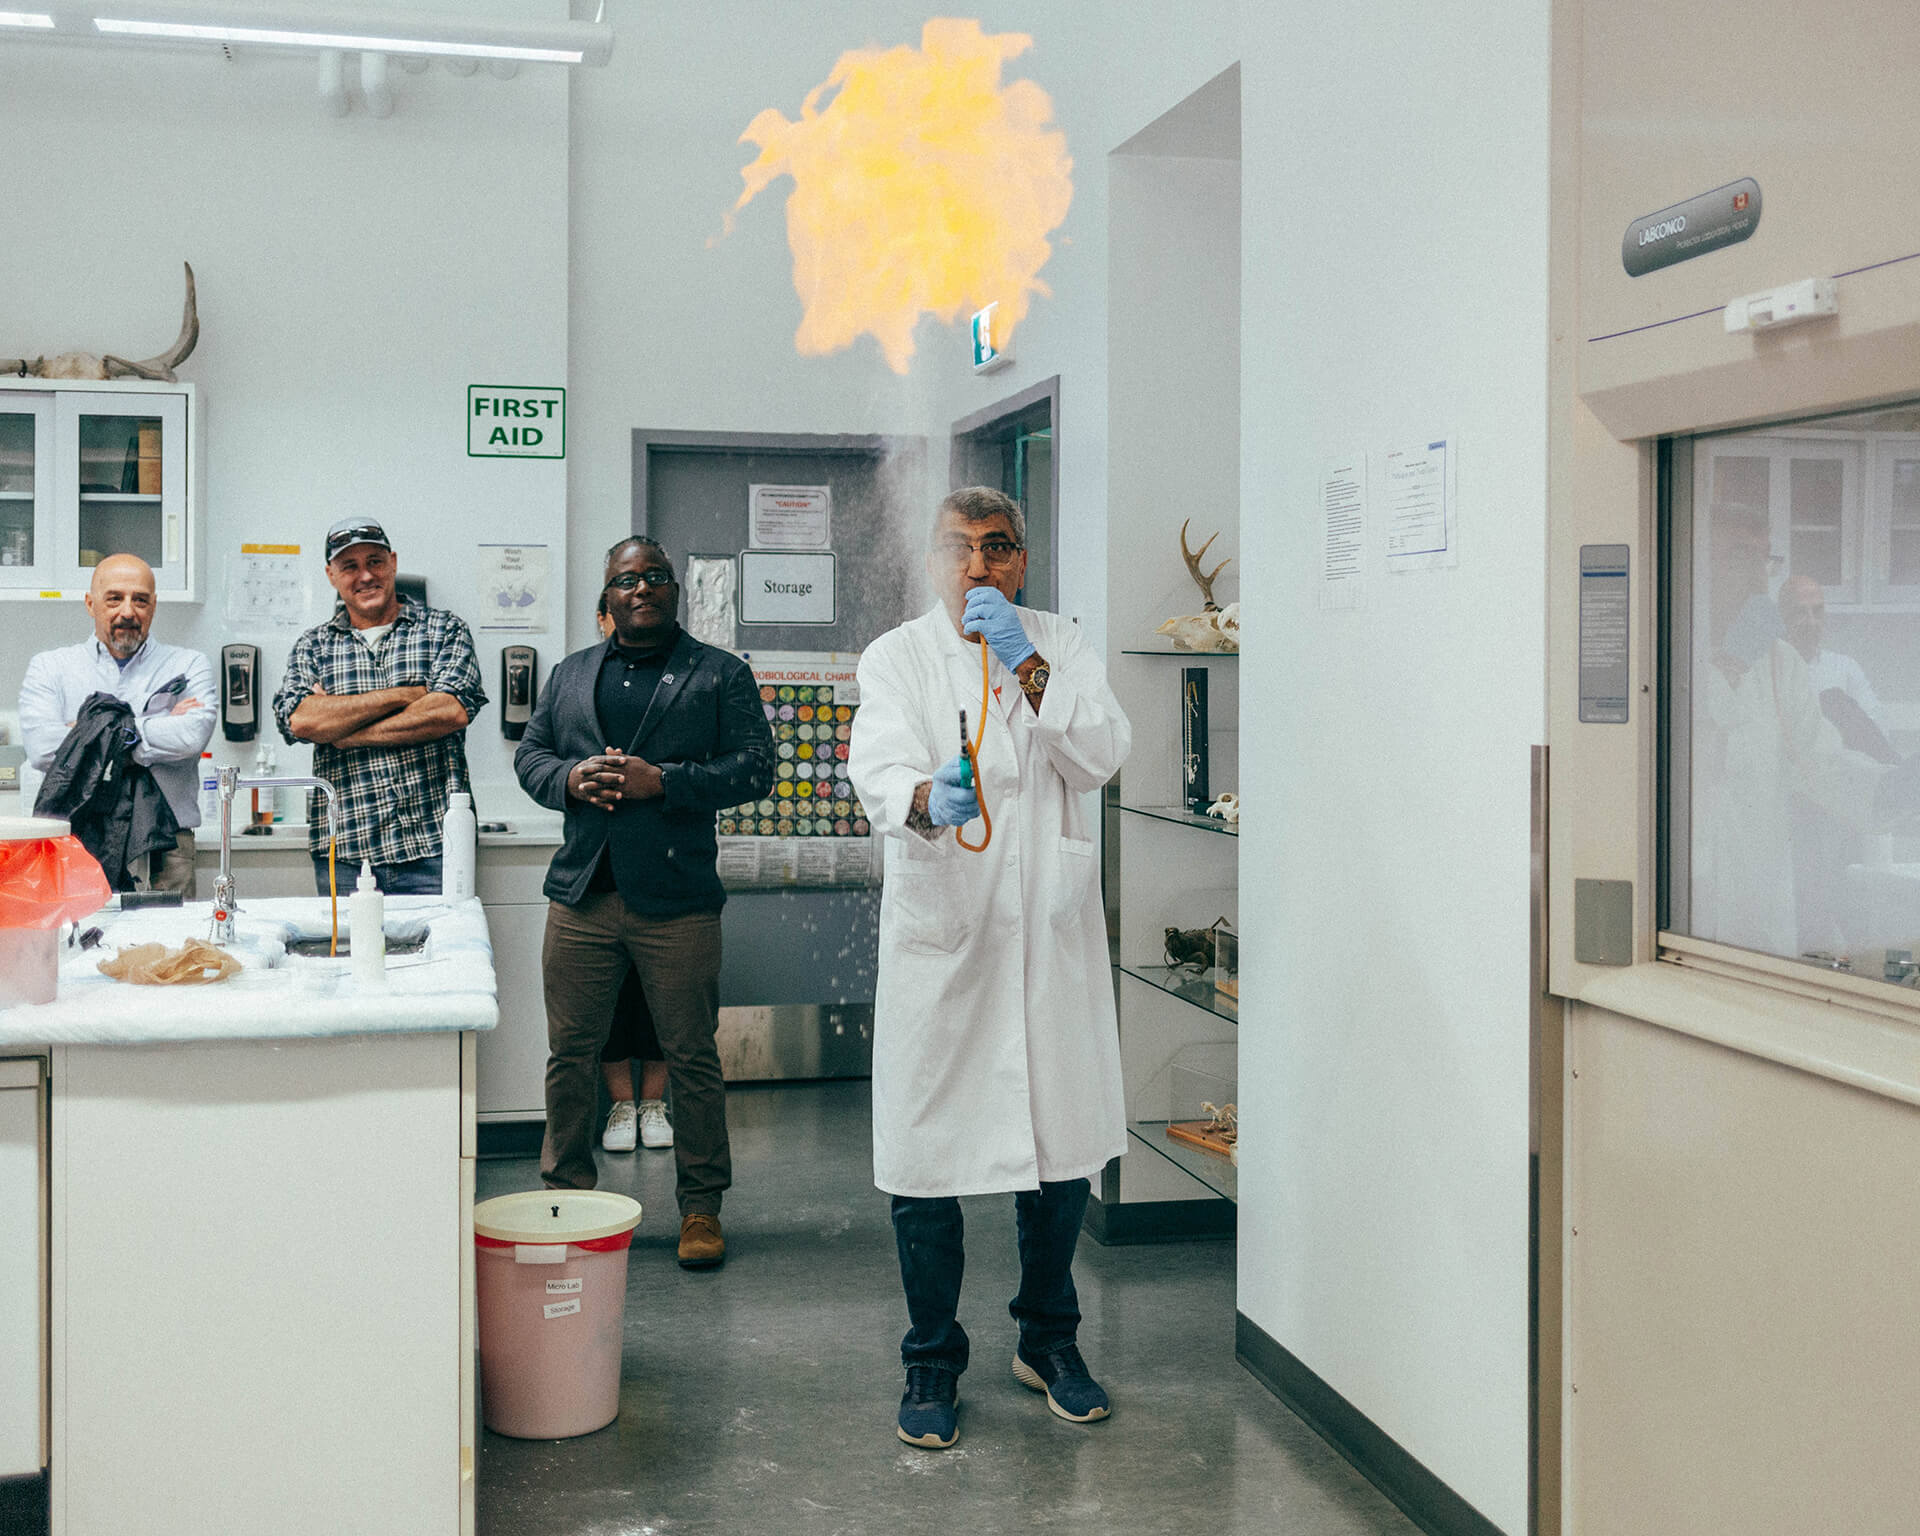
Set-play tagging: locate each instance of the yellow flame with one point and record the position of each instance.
(923, 186)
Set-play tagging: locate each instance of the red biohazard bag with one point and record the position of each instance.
(46, 881)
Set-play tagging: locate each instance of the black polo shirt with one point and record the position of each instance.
(621, 694)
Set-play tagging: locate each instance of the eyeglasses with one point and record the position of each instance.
(653, 576)
(996, 552)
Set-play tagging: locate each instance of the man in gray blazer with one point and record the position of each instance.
(639, 740)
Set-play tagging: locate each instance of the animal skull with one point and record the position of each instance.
(1226, 807)
(88, 365)
(1215, 631)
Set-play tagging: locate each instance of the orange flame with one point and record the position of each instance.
(922, 187)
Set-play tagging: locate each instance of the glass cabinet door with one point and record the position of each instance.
(129, 452)
(26, 492)
(1896, 565)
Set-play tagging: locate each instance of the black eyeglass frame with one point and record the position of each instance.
(652, 576)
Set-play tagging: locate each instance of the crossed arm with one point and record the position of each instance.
(387, 717)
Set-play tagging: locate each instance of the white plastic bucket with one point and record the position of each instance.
(29, 957)
(552, 1278)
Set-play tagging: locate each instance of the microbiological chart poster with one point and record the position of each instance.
(789, 517)
(809, 830)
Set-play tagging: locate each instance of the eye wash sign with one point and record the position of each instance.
(513, 421)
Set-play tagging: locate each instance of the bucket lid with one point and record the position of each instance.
(31, 829)
(555, 1216)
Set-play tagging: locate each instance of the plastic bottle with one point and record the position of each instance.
(262, 798)
(276, 801)
(366, 929)
(209, 792)
(459, 836)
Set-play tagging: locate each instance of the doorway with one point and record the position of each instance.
(1012, 446)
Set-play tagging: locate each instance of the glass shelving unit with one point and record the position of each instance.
(1180, 816)
(1197, 989)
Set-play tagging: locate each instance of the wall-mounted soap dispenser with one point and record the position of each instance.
(519, 683)
(239, 691)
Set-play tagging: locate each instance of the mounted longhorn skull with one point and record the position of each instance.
(85, 365)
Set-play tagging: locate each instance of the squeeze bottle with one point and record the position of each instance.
(459, 834)
(366, 929)
(209, 792)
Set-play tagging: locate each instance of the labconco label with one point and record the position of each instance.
(1725, 216)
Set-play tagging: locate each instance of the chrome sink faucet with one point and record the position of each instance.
(225, 902)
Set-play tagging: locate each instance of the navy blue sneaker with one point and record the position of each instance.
(1072, 1393)
(930, 1408)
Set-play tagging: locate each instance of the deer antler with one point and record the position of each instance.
(1192, 557)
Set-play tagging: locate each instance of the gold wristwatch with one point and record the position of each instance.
(1035, 682)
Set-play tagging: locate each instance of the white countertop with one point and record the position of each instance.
(447, 986)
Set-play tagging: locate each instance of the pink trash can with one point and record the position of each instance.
(552, 1278)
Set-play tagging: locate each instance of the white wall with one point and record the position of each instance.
(670, 331)
(354, 277)
(1394, 289)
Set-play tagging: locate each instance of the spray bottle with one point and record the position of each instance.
(366, 929)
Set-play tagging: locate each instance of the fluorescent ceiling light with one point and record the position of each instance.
(175, 29)
(24, 19)
(305, 24)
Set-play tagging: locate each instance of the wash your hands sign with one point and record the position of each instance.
(513, 421)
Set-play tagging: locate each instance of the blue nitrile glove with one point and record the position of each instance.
(989, 613)
(951, 802)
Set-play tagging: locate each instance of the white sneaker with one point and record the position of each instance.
(656, 1130)
(619, 1132)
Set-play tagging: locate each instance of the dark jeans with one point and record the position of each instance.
(929, 1234)
(588, 952)
(416, 877)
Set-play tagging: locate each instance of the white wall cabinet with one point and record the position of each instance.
(94, 468)
(1841, 507)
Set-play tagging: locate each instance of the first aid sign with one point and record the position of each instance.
(513, 421)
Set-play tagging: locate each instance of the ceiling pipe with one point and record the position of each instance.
(333, 82)
(374, 90)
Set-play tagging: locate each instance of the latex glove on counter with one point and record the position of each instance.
(989, 614)
(951, 801)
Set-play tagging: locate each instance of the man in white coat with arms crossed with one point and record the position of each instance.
(996, 1062)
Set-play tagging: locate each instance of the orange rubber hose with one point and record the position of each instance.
(973, 761)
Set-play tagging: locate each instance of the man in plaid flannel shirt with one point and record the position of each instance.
(384, 690)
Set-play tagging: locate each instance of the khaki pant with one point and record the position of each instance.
(169, 871)
(677, 960)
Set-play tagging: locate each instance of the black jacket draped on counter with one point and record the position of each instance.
(705, 730)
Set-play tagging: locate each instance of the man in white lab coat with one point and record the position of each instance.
(996, 1062)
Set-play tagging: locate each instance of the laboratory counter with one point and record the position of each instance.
(257, 1287)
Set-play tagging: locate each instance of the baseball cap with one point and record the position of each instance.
(355, 530)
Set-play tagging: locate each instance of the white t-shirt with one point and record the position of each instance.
(373, 634)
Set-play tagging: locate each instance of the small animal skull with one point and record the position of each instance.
(1226, 807)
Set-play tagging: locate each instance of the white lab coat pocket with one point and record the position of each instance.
(1073, 878)
(925, 906)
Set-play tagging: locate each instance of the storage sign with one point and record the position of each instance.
(784, 587)
(514, 421)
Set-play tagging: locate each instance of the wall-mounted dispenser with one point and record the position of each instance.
(519, 683)
(239, 691)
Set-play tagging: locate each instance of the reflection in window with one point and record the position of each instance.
(1796, 708)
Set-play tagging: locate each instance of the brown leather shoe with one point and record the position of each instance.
(701, 1245)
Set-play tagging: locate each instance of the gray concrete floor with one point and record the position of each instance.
(760, 1397)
